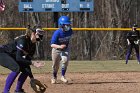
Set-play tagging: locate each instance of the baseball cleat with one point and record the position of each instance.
(63, 79)
(21, 91)
(53, 80)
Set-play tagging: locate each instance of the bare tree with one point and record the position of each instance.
(85, 45)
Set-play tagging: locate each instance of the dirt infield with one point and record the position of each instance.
(98, 82)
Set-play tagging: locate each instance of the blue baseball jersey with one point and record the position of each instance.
(61, 37)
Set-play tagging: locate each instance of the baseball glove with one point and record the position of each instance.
(37, 86)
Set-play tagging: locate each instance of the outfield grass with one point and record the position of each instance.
(89, 66)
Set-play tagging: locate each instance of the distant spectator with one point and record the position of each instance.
(2, 6)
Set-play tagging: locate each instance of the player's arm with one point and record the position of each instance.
(128, 37)
(54, 42)
(138, 37)
(137, 41)
(21, 53)
(128, 42)
(62, 46)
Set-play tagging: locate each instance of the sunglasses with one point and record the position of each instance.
(39, 31)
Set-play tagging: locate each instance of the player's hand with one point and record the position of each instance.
(136, 42)
(38, 64)
(63, 46)
(129, 43)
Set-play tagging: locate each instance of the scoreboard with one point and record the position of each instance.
(56, 5)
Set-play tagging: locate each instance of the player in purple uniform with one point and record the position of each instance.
(133, 42)
(17, 56)
(60, 48)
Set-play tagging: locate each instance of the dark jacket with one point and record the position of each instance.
(17, 55)
(22, 50)
(133, 36)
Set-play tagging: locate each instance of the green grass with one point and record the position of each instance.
(88, 66)
(112, 65)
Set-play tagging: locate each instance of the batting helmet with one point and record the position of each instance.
(64, 20)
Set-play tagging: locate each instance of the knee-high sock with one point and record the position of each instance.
(64, 68)
(63, 71)
(138, 58)
(55, 70)
(54, 74)
(21, 80)
(9, 81)
(127, 56)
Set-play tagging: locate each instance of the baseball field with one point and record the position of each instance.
(87, 77)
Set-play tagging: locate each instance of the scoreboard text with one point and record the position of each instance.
(56, 6)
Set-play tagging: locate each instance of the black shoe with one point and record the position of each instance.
(21, 91)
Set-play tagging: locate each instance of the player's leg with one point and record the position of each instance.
(137, 52)
(20, 82)
(129, 52)
(10, 63)
(65, 61)
(26, 71)
(9, 81)
(56, 61)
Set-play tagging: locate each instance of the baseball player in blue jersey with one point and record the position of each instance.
(133, 42)
(60, 48)
(17, 56)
